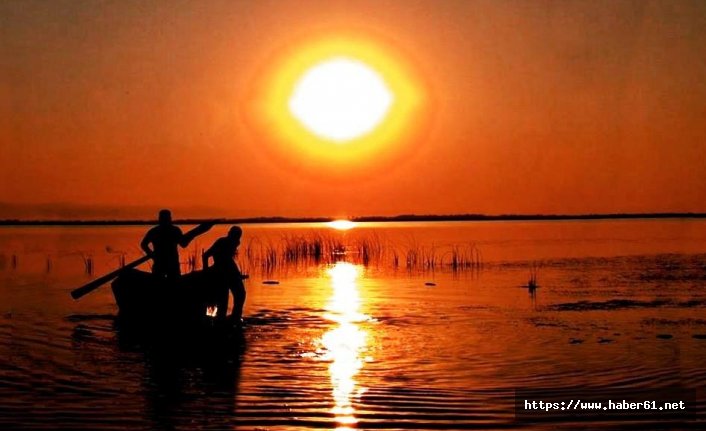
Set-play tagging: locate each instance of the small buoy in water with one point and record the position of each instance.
(270, 282)
(429, 283)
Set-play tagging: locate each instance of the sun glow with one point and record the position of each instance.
(337, 104)
(340, 99)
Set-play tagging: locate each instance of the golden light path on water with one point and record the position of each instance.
(346, 342)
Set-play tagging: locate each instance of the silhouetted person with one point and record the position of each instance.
(226, 273)
(164, 238)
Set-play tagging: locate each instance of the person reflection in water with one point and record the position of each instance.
(164, 238)
(227, 275)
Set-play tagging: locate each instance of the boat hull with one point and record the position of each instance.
(143, 296)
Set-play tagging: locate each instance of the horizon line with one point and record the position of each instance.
(360, 219)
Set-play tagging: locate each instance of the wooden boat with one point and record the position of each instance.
(143, 297)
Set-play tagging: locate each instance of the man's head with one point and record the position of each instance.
(165, 217)
(235, 233)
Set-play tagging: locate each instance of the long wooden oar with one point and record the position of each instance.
(93, 285)
(98, 282)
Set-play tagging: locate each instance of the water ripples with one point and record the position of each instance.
(442, 358)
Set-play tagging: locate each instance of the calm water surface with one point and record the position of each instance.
(382, 332)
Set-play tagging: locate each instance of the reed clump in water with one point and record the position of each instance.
(121, 255)
(87, 263)
(532, 284)
(260, 255)
(320, 248)
(464, 258)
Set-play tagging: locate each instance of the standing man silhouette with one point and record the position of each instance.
(227, 274)
(164, 238)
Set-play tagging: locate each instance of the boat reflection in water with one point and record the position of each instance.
(345, 342)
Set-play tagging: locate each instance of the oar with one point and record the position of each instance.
(90, 287)
(93, 285)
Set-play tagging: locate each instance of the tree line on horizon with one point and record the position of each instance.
(396, 218)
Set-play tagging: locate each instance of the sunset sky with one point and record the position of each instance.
(499, 107)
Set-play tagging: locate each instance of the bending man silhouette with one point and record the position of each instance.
(164, 238)
(227, 275)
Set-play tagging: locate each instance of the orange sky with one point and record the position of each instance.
(533, 107)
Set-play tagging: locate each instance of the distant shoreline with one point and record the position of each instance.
(398, 218)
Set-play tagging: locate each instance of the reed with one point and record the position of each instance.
(532, 282)
(121, 255)
(301, 251)
(395, 260)
(87, 263)
(322, 248)
(463, 258)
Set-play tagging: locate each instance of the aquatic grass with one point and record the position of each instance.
(260, 255)
(87, 263)
(192, 262)
(532, 282)
(303, 251)
(463, 258)
(395, 260)
(369, 249)
(121, 255)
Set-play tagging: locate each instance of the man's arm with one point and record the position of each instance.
(184, 239)
(145, 244)
(204, 257)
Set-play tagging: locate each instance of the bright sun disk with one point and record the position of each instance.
(340, 99)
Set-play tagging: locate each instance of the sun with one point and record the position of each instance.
(339, 104)
(340, 99)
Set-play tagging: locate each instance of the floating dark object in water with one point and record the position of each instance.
(602, 340)
(699, 336)
(429, 283)
(665, 336)
(270, 282)
(575, 341)
(618, 304)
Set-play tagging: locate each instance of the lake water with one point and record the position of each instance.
(383, 326)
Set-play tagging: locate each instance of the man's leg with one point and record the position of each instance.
(238, 300)
(222, 303)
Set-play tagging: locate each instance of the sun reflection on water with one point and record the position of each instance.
(345, 342)
(341, 224)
